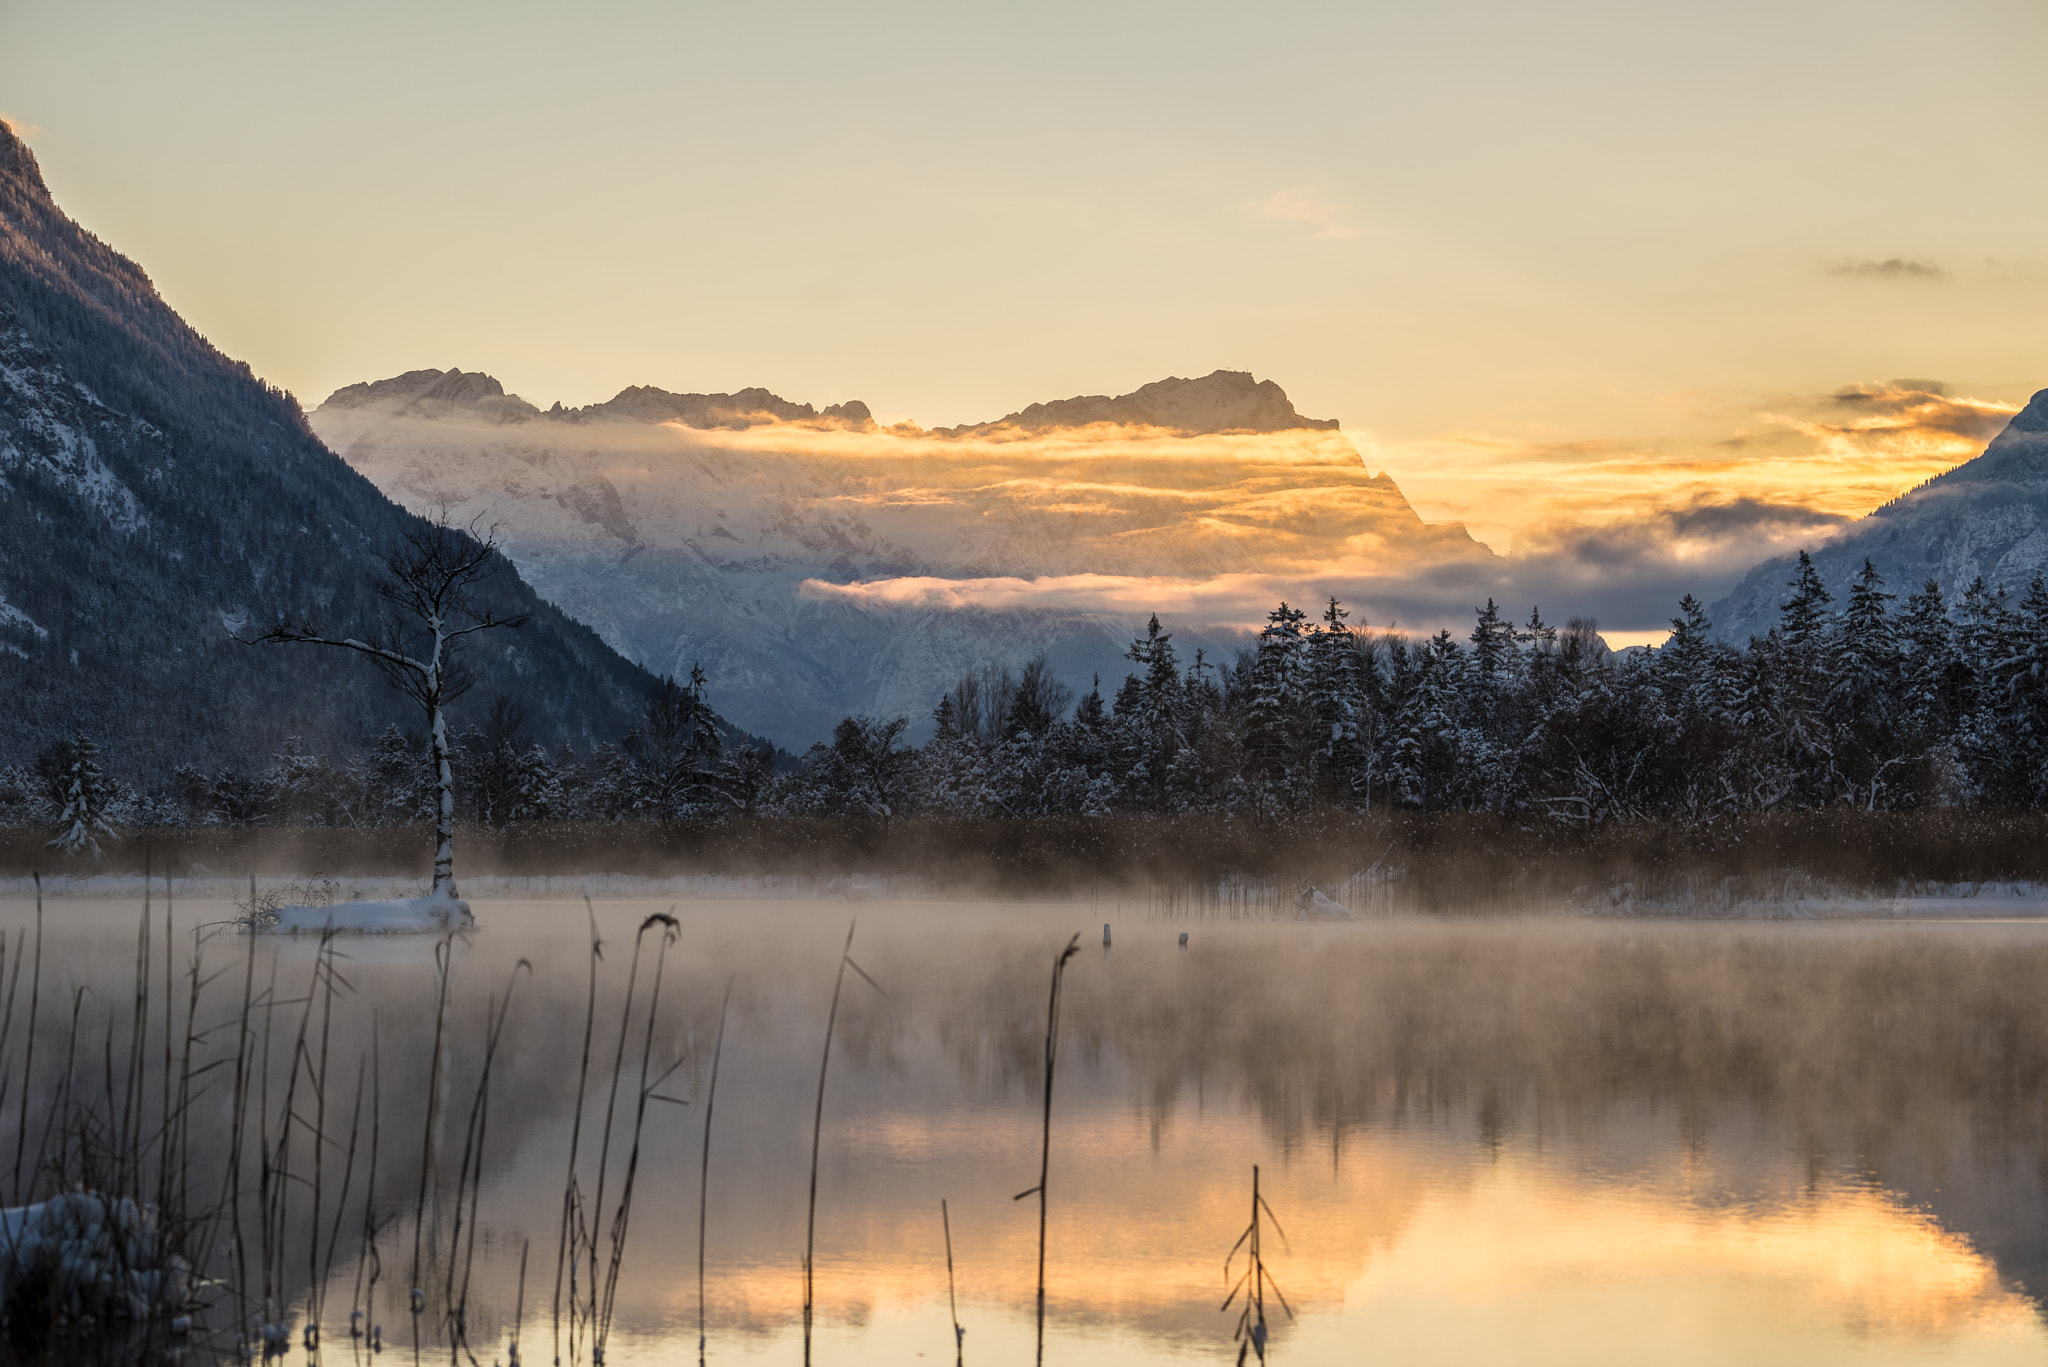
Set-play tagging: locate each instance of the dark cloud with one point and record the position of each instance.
(1629, 574)
(1891, 268)
(1876, 412)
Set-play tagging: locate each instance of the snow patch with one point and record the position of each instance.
(12, 616)
(1313, 904)
(399, 916)
(88, 1256)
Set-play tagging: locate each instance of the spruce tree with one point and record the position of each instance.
(1337, 704)
(80, 792)
(1803, 619)
(1276, 687)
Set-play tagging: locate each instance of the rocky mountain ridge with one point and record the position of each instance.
(819, 566)
(152, 489)
(1223, 402)
(1987, 516)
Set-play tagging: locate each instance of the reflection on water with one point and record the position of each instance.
(1530, 1142)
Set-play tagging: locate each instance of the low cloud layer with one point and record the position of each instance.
(1118, 522)
(1602, 529)
(1628, 573)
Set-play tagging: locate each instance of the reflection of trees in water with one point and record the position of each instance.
(1915, 1057)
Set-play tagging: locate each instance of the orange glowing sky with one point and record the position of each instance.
(1563, 271)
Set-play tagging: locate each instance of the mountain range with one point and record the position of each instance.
(818, 565)
(1987, 517)
(154, 492)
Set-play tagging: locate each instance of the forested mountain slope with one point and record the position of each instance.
(152, 490)
(821, 566)
(1987, 517)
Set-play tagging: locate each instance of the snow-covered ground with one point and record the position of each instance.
(1959, 900)
(92, 1257)
(391, 916)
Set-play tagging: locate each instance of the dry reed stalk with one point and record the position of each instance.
(443, 954)
(348, 1170)
(611, 1107)
(519, 1304)
(704, 1169)
(817, 1134)
(563, 1248)
(1254, 1281)
(28, 1067)
(470, 1174)
(1052, 1040)
(818, 1130)
(369, 1266)
(232, 1197)
(952, 1301)
(670, 931)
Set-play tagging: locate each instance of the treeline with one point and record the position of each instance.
(1861, 705)
(677, 763)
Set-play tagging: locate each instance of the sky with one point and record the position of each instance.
(1569, 271)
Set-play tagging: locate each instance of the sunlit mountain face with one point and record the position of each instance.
(820, 565)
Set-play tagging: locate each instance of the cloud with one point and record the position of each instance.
(21, 128)
(1627, 573)
(1322, 216)
(1890, 268)
(1113, 523)
(1900, 417)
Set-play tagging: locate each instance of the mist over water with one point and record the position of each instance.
(1552, 1141)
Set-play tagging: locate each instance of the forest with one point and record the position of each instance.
(1862, 705)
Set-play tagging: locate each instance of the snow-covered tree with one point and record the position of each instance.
(673, 759)
(436, 591)
(80, 792)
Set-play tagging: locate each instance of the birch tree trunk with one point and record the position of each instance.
(444, 813)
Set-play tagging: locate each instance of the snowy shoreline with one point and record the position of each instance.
(1964, 901)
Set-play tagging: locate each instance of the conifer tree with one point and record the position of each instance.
(1803, 619)
(1494, 657)
(81, 794)
(1338, 705)
(1276, 685)
(1927, 639)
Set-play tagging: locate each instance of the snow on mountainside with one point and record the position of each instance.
(152, 489)
(819, 566)
(1988, 516)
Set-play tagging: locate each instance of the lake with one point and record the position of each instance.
(1533, 1140)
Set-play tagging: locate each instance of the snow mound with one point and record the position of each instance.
(83, 1254)
(1313, 904)
(400, 916)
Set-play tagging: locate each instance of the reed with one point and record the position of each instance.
(469, 1176)
(648, 1091)
(1052, 1047)
(952, 1300)
(818, 1131)
(565, 1242)
(1254, 1281)
(35, 1006)
(443, 953)
(704, 1168)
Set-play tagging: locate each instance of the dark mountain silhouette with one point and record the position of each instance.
(154, 491)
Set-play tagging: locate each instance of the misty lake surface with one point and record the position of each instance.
(1529, 1141)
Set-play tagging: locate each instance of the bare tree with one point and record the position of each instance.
(431, 588)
